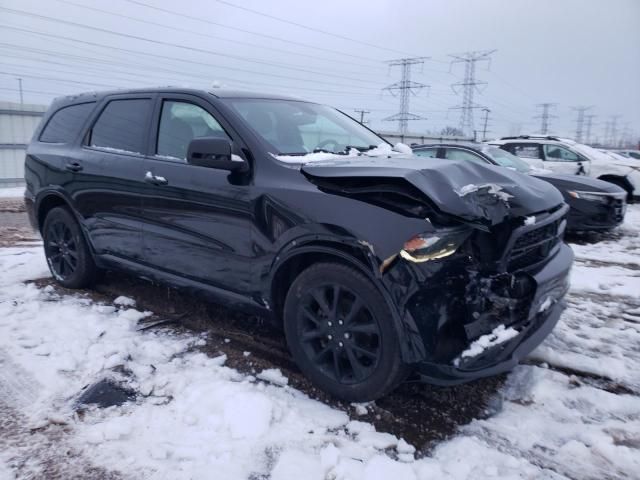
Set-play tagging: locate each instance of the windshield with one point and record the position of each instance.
(506, 159)
(298, 128)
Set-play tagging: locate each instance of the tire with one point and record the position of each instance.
(348, 348)
(69, 258)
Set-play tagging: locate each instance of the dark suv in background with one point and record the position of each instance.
(378, 265)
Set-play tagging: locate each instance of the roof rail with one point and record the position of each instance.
(525, 137)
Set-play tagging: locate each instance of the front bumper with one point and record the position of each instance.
(551, 285)
(591, 215)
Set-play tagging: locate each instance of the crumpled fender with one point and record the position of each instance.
(470, 191)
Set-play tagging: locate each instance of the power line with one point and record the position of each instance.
(545, 116)
(209, 23)
(469, 86)
(582, 109)
(180, 46)
(191, 31)
(404, 88)
(313, 29)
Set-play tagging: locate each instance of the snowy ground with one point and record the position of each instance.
(572, 411)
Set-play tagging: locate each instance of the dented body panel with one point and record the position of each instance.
(242, 238)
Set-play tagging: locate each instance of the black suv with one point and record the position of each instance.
(377, 265)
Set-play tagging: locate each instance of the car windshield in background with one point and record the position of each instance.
(298, 128)
(506, 159)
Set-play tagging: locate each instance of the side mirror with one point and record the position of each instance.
(213, 152)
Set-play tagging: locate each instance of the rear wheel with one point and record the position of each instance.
(68, 255)
(341, 334)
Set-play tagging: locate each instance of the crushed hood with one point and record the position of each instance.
(469, 191)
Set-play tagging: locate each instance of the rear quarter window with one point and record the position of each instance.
(122, 126)
(65, 124)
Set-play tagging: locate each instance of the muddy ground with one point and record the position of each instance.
(423, 415)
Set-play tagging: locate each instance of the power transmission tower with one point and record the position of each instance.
(469, 85)
(606, 138)
(362, 114)
(486, 120)
(613, 130)
(545, 116)
(588, 127)
(582, 109)
(404, 88)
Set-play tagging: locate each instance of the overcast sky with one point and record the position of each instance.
(570, 52)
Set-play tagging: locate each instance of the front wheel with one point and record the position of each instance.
(66, 250)
(340, 333)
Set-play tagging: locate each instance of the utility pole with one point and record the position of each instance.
(469, 85)
(545, 116)
(589, 125)
(362, 114)
(580, 120)
(486, 119)
(20, 90)
(404, 88)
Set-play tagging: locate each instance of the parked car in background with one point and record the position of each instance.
(376, 265)
(566, 156)
(594, 204)
(635, 154)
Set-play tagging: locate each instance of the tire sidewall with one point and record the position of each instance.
(390, 368)
(85, 265)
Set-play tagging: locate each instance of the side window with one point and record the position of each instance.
(65, 124)
(427, 152)
(457, 154)
(181, 122)
(122, 126)
(526, 150)
(556, 153)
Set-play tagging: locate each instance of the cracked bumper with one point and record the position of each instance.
(551, 283)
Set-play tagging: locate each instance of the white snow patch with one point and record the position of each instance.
(12, 192)
(530, 220)
(492, 189)
(499, 335)
(403, 148)
(545, 305)
(273, 375)
(124, 301)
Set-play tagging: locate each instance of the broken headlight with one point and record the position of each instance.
(434, 245)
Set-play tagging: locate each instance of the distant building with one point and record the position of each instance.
(17, 124)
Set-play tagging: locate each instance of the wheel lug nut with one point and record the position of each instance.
(340, 344)
(346, 335)
(330, 324)
(330, 337)
(340, 322)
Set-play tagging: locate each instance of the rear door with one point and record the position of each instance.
(197, 219)
(110, 175)
(528, 151)
(563, 160)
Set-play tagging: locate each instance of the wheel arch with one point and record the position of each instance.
(619, 180)
(48, 201)
(358, 256)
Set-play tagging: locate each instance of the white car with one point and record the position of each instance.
(561, 155)
(634, 154)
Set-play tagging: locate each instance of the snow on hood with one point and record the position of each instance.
(384, 149)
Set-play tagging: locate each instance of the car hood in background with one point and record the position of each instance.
(470, 191)
(578, 182)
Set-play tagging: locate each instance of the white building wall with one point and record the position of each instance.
(17, 124)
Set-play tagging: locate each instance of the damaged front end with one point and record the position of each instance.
(485, 306)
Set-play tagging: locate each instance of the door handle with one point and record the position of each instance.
(155, 179)
(73, 166)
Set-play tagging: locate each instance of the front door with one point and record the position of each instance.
(562, 160)
(197, 219)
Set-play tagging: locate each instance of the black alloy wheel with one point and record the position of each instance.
(338, 333)
(68, 255)
(341, 333)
